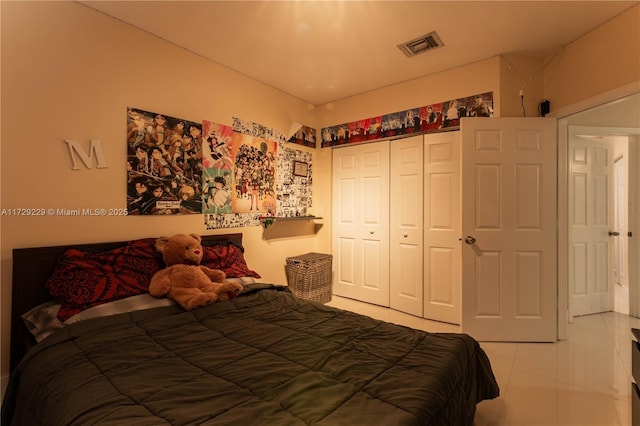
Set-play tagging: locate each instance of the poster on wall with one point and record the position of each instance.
(293, 194)
(473, 106)
(429, 118)
(217, 163)
(254, 161)
(305, 136)
(400, 123)
(294, 182)
(164, 164)
(363, 130)
(232, 136)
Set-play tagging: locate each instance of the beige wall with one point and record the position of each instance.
(70, 72)
(468, 80)
(598, 62)
(521, 74)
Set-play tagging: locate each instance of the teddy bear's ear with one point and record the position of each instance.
(197, 237)
(161, 243)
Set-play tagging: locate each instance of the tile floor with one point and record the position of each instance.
(582, 381)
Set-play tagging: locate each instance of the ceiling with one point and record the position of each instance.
(323, 51)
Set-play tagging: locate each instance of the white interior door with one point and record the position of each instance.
(442, 227)
(590, 203)
(509, 259)
(361, 222)
(406, 224)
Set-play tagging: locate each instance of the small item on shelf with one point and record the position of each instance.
(267, 221)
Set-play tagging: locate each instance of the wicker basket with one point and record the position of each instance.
(309, 276)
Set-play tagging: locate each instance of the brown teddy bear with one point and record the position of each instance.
(184, 279)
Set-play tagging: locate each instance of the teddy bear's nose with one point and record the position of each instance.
(196, 251)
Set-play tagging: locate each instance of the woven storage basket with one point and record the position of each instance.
(309, 276)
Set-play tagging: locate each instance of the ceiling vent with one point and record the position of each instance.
(421, 44)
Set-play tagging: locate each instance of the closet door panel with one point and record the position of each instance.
(361, 222)
(442, 228)
(344, 258)
(406, 225)
(442, 277)
(373, 228)
(345, 222)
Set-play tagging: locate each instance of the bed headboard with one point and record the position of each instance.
(31, 269)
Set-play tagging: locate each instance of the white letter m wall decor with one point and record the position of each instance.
(87, 159)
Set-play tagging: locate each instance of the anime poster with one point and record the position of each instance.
(335, 135)
(164, 164)
(453, 110)
(328, 136)
(375, 128)
(482, 105)
(400, 123)
(217, 166)
(472, 106)
(294, 194)
(431, 117)
(255, 164)
(359, 130)
(392, 124)
(305, 136)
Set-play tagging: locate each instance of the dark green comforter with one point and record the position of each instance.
(263, 358)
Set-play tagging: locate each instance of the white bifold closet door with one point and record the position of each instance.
(396, 224)
(425, 226)
(406, 225)
(442, 227)
(361, 222)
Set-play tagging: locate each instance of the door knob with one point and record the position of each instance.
(613, 233)
(469, 240)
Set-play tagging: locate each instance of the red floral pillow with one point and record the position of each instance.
(228, 258)
(83, 279)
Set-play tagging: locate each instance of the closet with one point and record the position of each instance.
(396, 224)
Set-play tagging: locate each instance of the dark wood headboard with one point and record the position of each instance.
(31, 269)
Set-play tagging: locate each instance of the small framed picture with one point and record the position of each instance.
(300, 168)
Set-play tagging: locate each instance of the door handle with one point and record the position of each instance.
(469, 240)
(613, 233)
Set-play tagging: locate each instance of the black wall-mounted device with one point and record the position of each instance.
(544, 108)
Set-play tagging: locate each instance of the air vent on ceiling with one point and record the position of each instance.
(421, 44)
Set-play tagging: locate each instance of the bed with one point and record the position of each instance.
(265, 357)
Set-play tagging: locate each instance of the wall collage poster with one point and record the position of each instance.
(233, 175)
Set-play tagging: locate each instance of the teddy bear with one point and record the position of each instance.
(184, 280)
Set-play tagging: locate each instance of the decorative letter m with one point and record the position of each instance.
(87, 159)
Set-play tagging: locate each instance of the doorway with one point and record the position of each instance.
(618, 117)
(598, 211)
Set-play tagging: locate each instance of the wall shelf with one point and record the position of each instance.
(270, 220)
